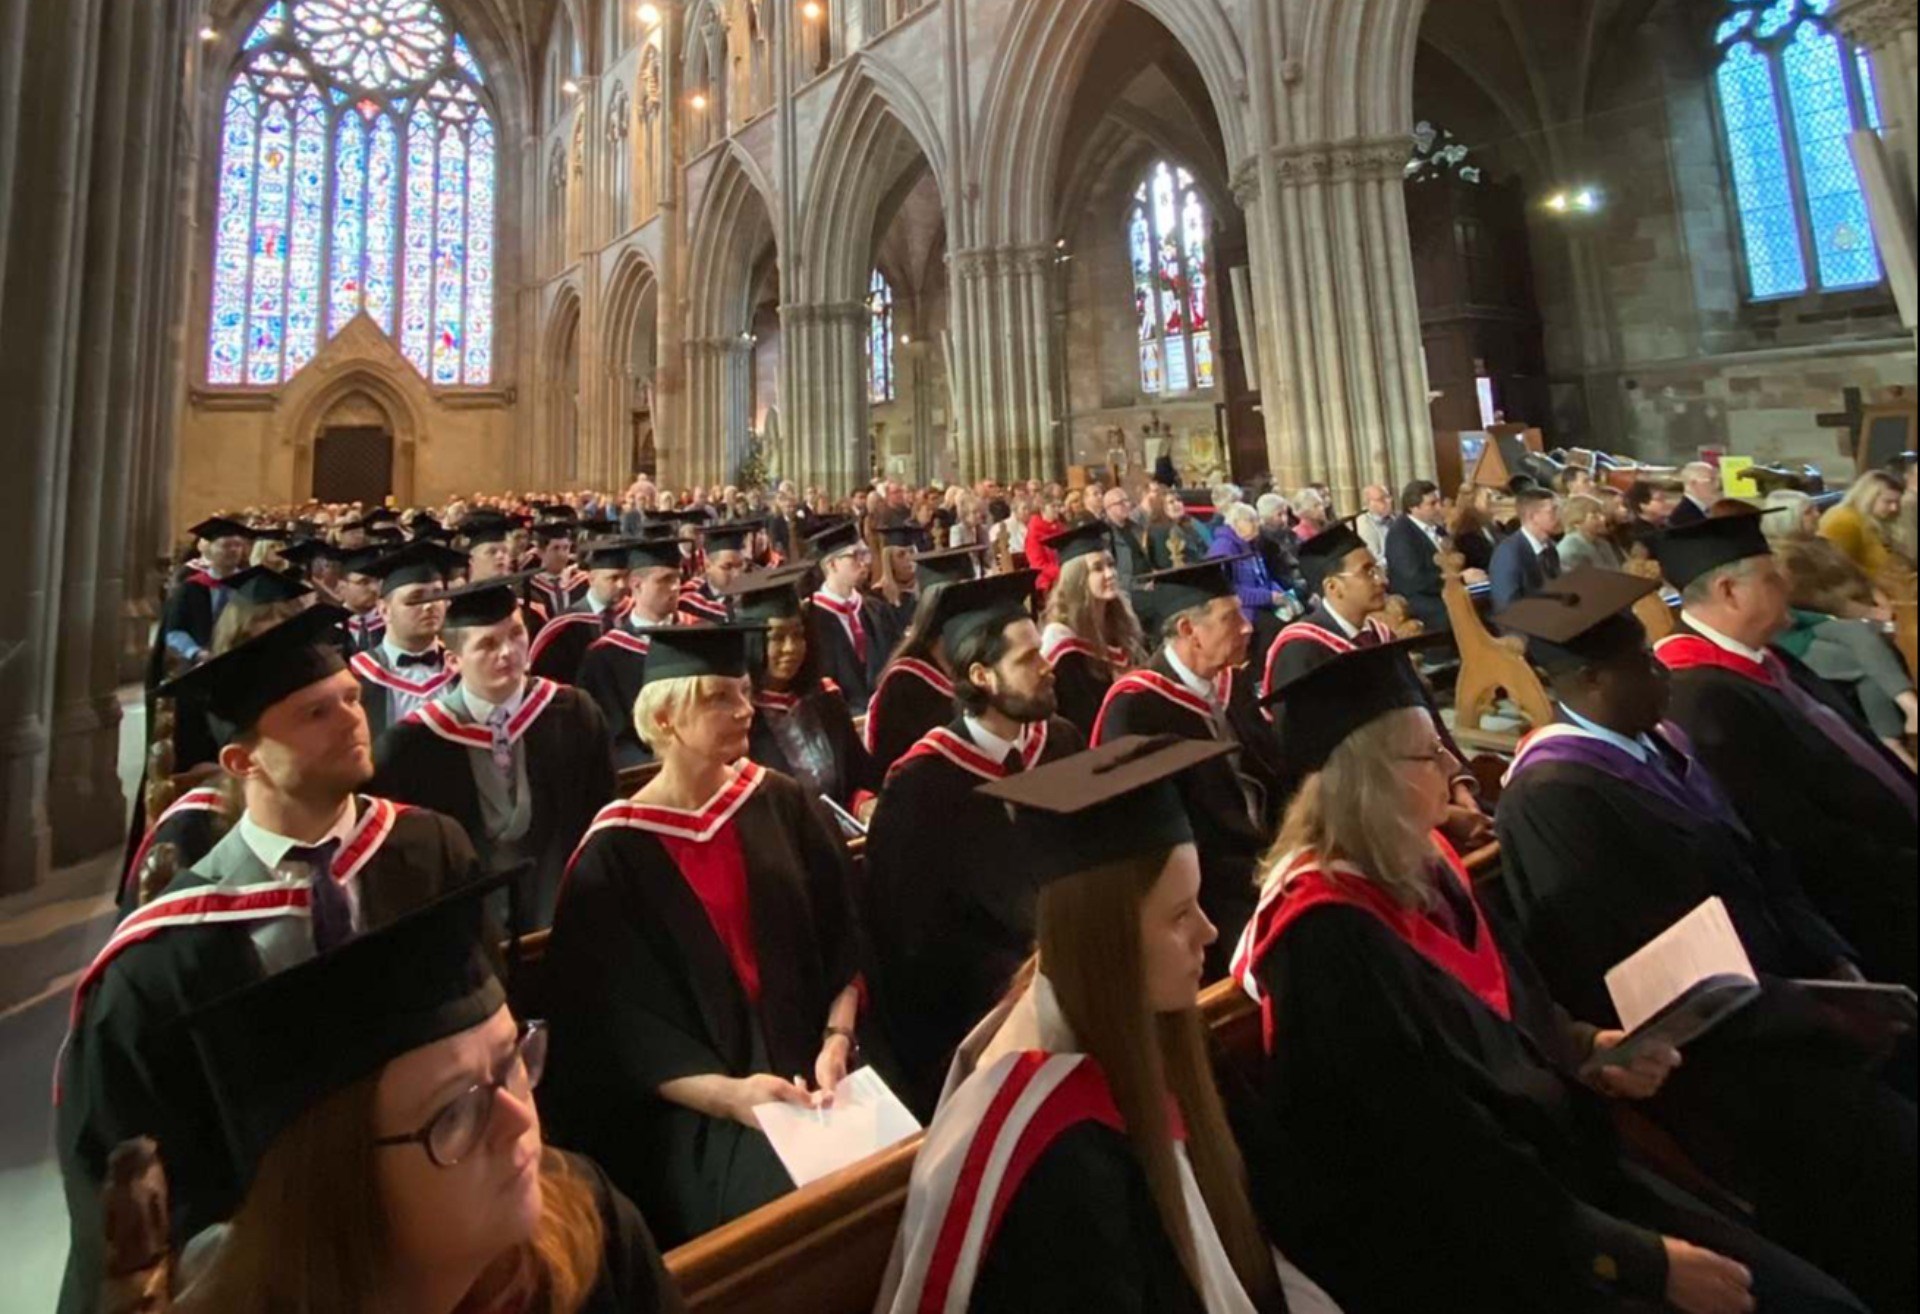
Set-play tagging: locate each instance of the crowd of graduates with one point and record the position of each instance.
(1094, 748)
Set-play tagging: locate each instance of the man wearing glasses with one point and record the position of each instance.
(310, 865)
(844, 624)
(1130, 556)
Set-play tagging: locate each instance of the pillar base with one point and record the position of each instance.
(86, 809)
(26, 839)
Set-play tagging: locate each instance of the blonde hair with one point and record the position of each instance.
(1353, 810)
(1579, 508)
(1866, 491)
(1789, 508)
(241, 620)
(1088, 931)
(1105, 625)
(662, 702)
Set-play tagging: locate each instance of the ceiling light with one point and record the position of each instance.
(209, 34)
(571, 87)
(811, 11)
(649, 15)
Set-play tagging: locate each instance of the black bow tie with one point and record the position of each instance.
(433, 659)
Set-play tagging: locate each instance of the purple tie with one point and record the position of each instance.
(1844, 737)
(331, 909)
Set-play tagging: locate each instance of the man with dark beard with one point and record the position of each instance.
(950, 923)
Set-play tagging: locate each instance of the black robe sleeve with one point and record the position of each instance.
(633, 1278)
(903, 711)
(1082, 1232)
(612, 678)
(1080, 687)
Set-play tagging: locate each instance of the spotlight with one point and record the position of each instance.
(698, 100)
(209, 34)
(811, 11)
(649, 15)
(571, 87)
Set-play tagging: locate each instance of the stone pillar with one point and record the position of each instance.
(1889, 31)
(44, 162)
(719, 393)
(1005, 407)
(824, 364)
(1343, 378)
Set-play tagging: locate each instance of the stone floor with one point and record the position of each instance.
(46, 936)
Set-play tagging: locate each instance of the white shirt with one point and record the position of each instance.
(1539, 545)
(1640, 750)
(989, 743)
(1719, 640)
(402, 704)
(596, 606)
(482, 710)
(283, 942)
(1340, 623)
(1202, 687)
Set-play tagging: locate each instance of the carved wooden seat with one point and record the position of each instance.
(1653, 611)
(1489, 666)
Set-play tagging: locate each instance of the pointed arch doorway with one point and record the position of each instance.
(353, 453)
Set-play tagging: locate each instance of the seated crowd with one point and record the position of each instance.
(981, 787)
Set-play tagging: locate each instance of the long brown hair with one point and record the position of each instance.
(312, 1236)
(1089, 937)
(1106, 625)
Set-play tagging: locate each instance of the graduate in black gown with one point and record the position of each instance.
(184, 636)
(360, 595)
(915, 692)
(1425, 1140)
(723, 558)
(521, 762)
(615, 664)
(844, 624)
(1610, 832)
(1196, 687)
(1090, 635)
(704, 956)
(1126, 1192)
(410, 1023)
(801, 726)
(1794, 758)
(948, 922)
(601, 604)
(896, 586)
(558, 583)
(489, 538)
(408, 665)
(311, 862)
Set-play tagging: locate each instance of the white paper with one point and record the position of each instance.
(864, 1119)
(1699, 945)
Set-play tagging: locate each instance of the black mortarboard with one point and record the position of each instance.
(1323, 552)
(261, 585)
(484, 529)
(681, 652)
(768, 596)
(382, 515)
(1161, 596)
(597, 525)
(309, 550)
(1326, 704)
(977, 604)
(487, 602)
(1081, 541)
(909, 535)
(1580, 619)
(420, 562)
(954, 566)
(218, 527)
(1687, 553)
(1115, 802)
(554, 531)
(835, 540)
(244, 681)
(360, 561)
(278, 1047)
(388, 536)
(636, 554)
(732, 536)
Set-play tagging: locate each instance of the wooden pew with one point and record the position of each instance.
(1488, 666)
(1652, 610)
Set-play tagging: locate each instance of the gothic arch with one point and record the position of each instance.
(877, 114)
(560, 373)
(733, 224)
(1372, 42)
(361, 361)
(630, 329)
(1030, 94)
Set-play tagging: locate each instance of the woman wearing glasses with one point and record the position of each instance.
(382, 1098)
(1422, 1085)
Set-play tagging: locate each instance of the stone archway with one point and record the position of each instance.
(733, 239)
(632, 337)
(560, 399)
(359, 378)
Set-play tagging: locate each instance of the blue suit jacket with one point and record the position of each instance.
(1516, 572)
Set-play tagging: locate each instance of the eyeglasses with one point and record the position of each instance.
(1437, 756)
(451, 1134)
(1365, 572)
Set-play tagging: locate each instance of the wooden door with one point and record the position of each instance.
(353, 465)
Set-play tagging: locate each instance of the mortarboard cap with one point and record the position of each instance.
(732, 536)
(1687, 553)
(241, 683)
(422, 562)
(954, 566)
(262, 585)
(909, 535)
(492, 528)
(1580, 619)
(682, 652)
(309, 550)
(1111, 803)
(1331, 701)
(1321, 554)
(768, 596)
(218, 527)
(276, 1048)
(636, 554)
(487, 602)
(1081, 541)
(554, 531)
(836, 540)
(1161, 596)
(970, 605)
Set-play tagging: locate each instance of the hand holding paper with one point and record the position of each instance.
(864, 1118)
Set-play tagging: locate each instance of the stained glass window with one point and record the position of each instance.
(1791, 93)
(1167, 232)
(880, 379)
(358, 167)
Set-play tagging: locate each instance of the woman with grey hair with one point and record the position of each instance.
(1420, 1080)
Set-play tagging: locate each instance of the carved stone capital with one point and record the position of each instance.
(1875, 23)
(1358, 159)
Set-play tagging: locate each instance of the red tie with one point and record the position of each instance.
(849, 614)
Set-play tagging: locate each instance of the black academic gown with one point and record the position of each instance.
(558, 594)
(569, 771)
(192, 825)
(1230, 800)
(828, 639)
(949, 923)
(1418, 1151)
(379, 681)
(562, 646)
(914, 696)
(633, 1278)
(188, 608)
(128, 1069)
(643, 993)
(1080, 682)
(812, 739)
(1774, 1105)
(1853, 845)
(700, 605)
(896, 618)
(612, 673)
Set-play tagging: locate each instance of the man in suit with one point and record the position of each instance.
(1702, 484)
(310, 864)
(1412, 544)
(1129, 544)
(1525, 562)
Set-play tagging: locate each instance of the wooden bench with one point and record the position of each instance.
(1489, 666)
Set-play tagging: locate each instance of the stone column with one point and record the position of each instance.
(1889, 31)
(824, 359)
(44, 160)
(1005, 407)
(718, 394)
(1343, 378)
